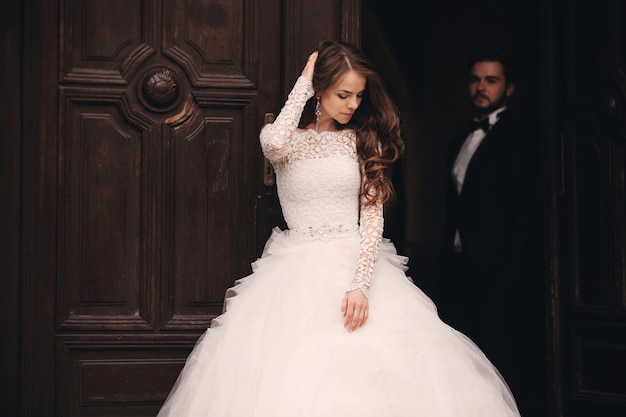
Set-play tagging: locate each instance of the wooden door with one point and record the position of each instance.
(141, 176)
(587, 216)
(141, 186)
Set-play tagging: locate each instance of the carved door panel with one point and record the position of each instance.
(592, 282)
(141, 192)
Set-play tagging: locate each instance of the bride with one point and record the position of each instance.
(328, 324)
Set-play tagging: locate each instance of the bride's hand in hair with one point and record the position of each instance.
(307, 72)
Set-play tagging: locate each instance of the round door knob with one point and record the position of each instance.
(160, 88)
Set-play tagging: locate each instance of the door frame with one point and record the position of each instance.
(551, 189)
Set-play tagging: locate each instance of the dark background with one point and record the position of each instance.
(421, 49)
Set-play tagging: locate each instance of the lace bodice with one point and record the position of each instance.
(319, 179)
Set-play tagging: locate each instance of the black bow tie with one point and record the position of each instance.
(481, 124)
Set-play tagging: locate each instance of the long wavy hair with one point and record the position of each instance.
(376, 121)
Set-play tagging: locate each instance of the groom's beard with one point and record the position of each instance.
(493, 106)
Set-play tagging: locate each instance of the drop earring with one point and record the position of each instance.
(318, 110)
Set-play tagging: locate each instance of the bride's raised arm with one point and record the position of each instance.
(275, 136)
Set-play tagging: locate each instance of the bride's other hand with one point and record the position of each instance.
(355, 309)
(307, 72)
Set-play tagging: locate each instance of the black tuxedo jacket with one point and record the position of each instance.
(490, 210)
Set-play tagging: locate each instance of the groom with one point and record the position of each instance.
(477, 281)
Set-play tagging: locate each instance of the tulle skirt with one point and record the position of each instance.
(280, 348)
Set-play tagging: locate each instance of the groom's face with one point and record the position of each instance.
(488, 88)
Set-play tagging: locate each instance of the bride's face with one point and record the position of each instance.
(342, 99)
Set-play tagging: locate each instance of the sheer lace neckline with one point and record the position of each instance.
(303, 131)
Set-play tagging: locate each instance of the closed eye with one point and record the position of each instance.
(345, 96)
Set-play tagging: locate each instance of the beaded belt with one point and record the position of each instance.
(324, 232)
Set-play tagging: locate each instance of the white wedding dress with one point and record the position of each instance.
(280, 349)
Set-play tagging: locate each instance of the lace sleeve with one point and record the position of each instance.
(274, 136)
(370, 239)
